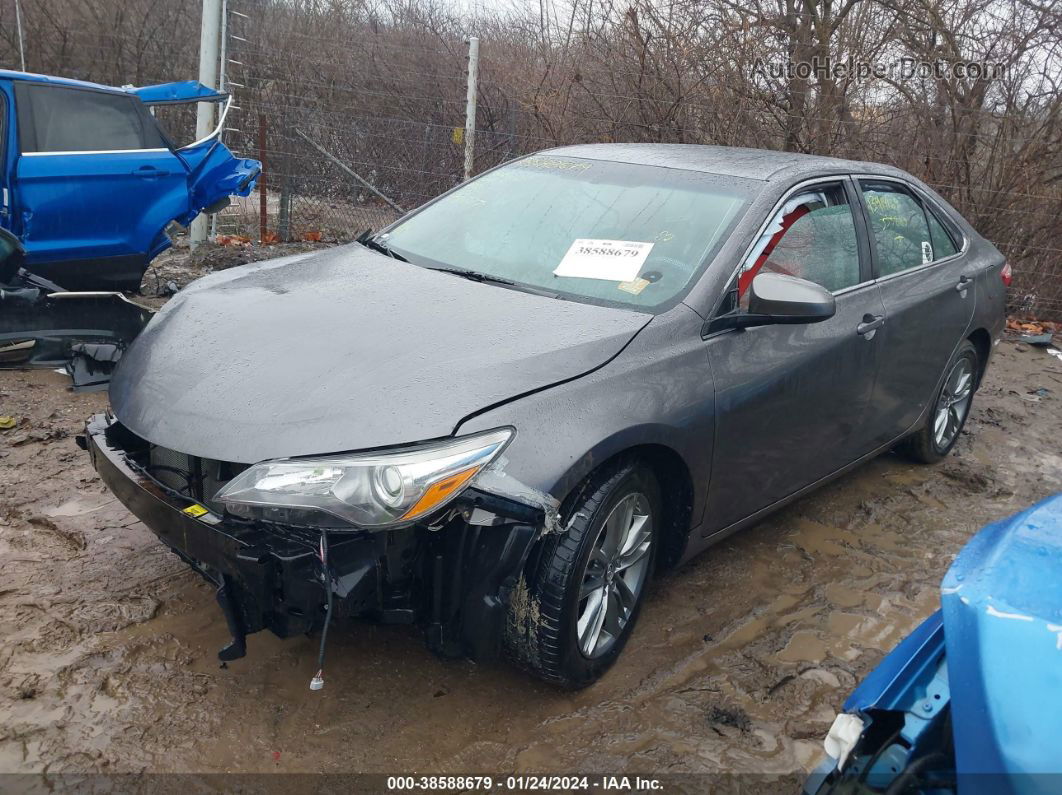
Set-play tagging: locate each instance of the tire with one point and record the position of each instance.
(928, 445)
(550, 627)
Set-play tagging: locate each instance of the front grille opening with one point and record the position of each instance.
(199, 479)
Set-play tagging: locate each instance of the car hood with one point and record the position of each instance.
(346, 349)
(1002, 606)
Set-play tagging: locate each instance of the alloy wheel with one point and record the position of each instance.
(953, 403)
(615, 575)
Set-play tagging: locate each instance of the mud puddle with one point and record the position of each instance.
(739, 662)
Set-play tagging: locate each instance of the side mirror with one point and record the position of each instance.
(12, 256)
(787, 299)
(774, 298)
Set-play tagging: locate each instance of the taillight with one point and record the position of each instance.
(1007, 275)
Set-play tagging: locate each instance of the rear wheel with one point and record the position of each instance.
(582, 590)
(950, 410)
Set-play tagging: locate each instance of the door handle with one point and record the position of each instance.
(870, 323)
(150, 171)
(964, 284)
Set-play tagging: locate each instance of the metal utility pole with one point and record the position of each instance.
(223, 60)
(209, 42)
(223, 36)
(18, 24)
(470, 104)
(263, 199)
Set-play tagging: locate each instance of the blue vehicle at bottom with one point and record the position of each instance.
(971, 701)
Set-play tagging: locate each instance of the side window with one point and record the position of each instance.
(59, 119)
(812, 237)
(943, 243)
(900, 227)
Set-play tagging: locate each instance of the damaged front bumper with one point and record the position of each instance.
(454, 578)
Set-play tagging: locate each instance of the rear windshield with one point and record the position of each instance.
(599, 231)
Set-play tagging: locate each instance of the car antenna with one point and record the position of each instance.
(318, 680)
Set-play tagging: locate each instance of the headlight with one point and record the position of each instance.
(365, 490)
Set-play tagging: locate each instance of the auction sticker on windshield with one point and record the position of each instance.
(614, 260)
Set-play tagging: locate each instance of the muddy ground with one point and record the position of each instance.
(739, 662)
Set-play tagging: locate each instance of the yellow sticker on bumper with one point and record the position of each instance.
(196, 510)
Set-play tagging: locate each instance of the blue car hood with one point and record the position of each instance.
(1002, 607)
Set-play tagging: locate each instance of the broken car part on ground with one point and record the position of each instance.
(44, 326)
(499, 432)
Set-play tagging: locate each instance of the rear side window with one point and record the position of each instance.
(812, 237)
(906, 234)
(60, 119)
(943, 244)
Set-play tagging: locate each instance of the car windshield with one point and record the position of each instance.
(591, 230)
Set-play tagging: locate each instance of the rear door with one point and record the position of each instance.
(96, 184)
(215, 173)
(6, 128)
(928, 292)
(791, 400)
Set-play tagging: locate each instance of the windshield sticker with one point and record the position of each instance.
(634, 287)
(613, 260)
(927, 252)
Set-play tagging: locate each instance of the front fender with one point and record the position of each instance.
(658, 391)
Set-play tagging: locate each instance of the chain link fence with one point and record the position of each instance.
(327, 182)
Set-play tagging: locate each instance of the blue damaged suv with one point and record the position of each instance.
(89, 180)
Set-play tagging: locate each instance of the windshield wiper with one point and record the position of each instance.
(487, 278)
(367, 240)
(476, 276)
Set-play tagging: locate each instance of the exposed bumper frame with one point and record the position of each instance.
(267, 581)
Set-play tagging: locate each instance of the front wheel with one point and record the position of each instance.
(950, 410)
(580, 596)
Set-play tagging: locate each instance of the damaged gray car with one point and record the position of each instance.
(500, 416)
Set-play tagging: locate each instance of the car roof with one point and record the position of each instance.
(733, 161)
(30, 77)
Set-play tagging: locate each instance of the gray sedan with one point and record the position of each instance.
(498, 417)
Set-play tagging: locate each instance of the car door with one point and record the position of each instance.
(791, 400)
(215, 173)
(95, 185)
(929, 299)
(5, 151)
